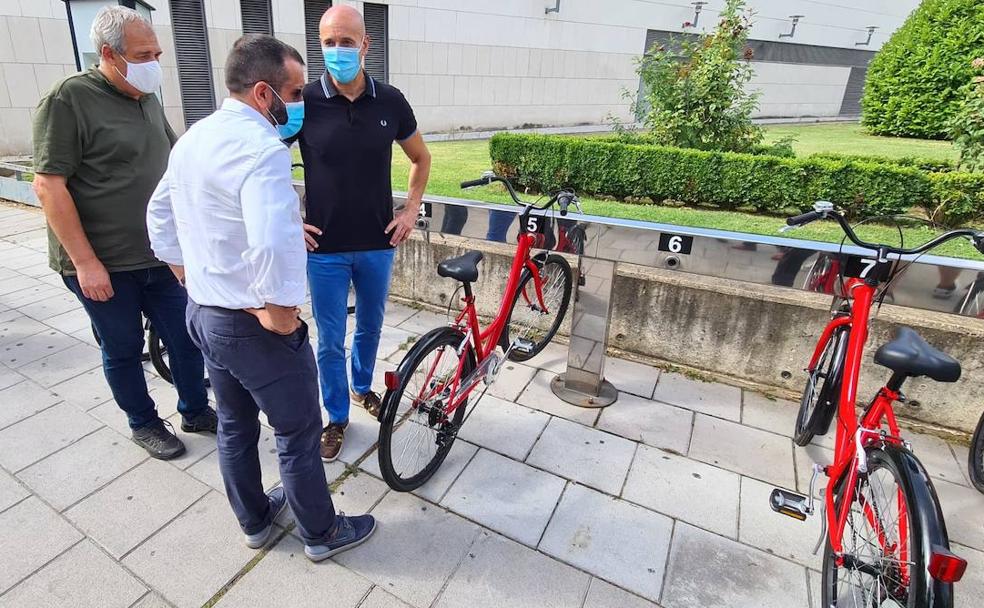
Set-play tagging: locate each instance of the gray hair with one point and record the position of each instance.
(107, 27)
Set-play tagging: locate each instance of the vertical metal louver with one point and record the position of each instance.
(257, 16)
(313, 10)
(377, 26)
(194, 63)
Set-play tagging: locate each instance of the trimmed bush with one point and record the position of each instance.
(727, 180)
(914, 84)
(929, 165)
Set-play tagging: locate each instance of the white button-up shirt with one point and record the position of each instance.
(226, 210)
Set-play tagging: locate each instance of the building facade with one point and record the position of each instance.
(463, 64)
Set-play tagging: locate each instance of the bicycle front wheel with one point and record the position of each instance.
(527, 319)
(822, 391)
(416, 432)
(975, 466)
(158, 355)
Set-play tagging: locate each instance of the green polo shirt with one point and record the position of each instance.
(113, 150)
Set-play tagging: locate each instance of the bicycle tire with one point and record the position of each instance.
(819, 403)
(158, 352)
(925, 530)
(975, 464)
(447, 340)
(562, 266)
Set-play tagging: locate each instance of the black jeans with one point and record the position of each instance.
(252, 369)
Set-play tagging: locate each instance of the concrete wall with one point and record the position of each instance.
(761, 336)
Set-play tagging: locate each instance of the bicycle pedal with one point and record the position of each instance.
(790, 504)
(523, 346)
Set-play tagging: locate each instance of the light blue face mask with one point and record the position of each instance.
(295, 118)
(342, 62)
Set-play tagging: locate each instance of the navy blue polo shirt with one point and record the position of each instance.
(347, 147)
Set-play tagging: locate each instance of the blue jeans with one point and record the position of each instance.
(330, 275)
(119, 322)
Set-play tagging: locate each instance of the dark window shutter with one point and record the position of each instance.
(194, 64)
(377, 26)
(313, 10)
(257, 16)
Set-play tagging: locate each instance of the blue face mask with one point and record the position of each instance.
(343, 63)
(295, 118)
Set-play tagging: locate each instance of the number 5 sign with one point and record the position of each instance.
(676, 243)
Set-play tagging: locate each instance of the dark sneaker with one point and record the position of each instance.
(331, 441)
(370, 401)
(278, 500)
(159, 440)
(205, 422)
(349, 532)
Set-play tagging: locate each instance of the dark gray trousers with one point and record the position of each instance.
(252, 369)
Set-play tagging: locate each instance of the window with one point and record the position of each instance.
(257, 16)
(194, 63)
(377, 26)
(313, 10)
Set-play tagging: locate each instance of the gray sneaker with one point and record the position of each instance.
(159, 440)
(278, 500)
(349, 532)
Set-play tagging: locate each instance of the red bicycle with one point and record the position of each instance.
(887, 543)
(427, 395)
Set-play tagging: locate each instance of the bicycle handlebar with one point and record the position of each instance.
(802, 219)
(563, 198)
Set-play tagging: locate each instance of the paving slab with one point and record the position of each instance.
(63, 365)
(17, 327)
(191, 558)
(437, 486)
(605, 595)
(11, 492)
(206, 469)
(655, 424)
(8, 377)
(777, 534)
(287, 575)
(552, 358)
(962, 509)
(18, 353)
(631, 377)
(112, 416)
(806, 457)
(969, 591)
(22, 297)
(200, 445)
(539, 396)
(140, 501)
(685, 489)
(83, 467)
(499, 572)
(611, 539)
(82, 577)
(585, 455)
(392, 340)
(39, 535)
(51, 306)
(378, 598)
(509, 497)
(86, 390)
(711, 398)
(415, 549)
(397, 313)
(358, 494)
(152, 600)
(769, 414)
(936, 455)
(70, 321)
(511, 381)
(744, 450)
(44, 433)
(504, 427)
(711, 571)
(23, 399)
(14, 281)
(423, 321)
(361, 434)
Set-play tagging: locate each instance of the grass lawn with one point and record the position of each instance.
(456, 161)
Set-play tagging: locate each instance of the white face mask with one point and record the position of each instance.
(145, 77)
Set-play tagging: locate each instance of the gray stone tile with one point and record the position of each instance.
(513, 499)
(499, 572)
(539, 396)
(42, 434)
(18, 353)
(744, 450)
(70, 474)
(85, 391)
(357, 494)
(16, 281)
(38, 534)
(415, 549)
(504, 427)
(782, 536)
(392, 340)
(708, 570)
(286, 577)
(152, 600)
(962, 453)
(200, 445)
(51, 306)
(82, 577)
(11, 492)
(813, 579)
(936, 456)
(610, 538)
(605, 595)
(511, 381)
(631, 377)
(695, 492)
(553, 358)
(17, 327)
(656, 424)
(8, 377)
(969, 591)
(361, 435)
(22, 297)
(962, 508)
(423, 321)
(397, 313)
(806, 457)
(71, 321)
(63, 365)
(207, 471)
(711, 398)
(24, 399)
(460, 455)
(378, 598)
(585, 455)
(191, 558)
(112, 416)
(127, 511)
(776, 415)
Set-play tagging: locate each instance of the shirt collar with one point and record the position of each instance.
(234, 105)
(330, 91)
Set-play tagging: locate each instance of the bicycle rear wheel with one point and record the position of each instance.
(415, 431)
(975, 466)
(158, 354)
(822, 392)
(527, 320)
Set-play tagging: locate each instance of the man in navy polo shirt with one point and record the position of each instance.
(350, 124)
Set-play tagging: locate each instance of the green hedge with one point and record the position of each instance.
(914, 83)
(644, 139)
(728, 180)
(930, 165)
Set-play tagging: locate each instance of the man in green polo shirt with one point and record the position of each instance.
(101, 144)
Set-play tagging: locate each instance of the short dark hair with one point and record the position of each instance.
(255, 58)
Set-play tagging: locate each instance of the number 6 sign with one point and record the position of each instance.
(676, 243)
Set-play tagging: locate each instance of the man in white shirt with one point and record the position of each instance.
(226, 218)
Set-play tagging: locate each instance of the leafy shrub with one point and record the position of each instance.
(930, 165)
(958, 198)
(914, 83)
(782, 147)
(968, 125)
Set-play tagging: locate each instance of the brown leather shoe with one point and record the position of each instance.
(331, 442)
(370, 401)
